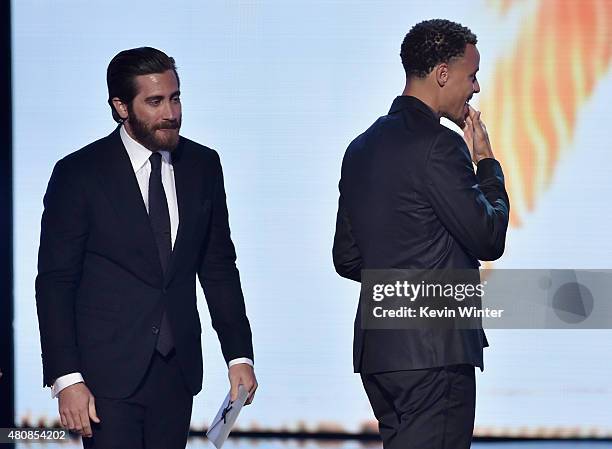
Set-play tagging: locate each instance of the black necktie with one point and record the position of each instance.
(160, 223)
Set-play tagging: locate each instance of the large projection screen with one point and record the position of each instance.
(279, 89)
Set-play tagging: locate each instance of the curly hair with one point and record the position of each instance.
(432, 42)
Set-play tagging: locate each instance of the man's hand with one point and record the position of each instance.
(242, 374)
(77, 406)
(468, 135)
(476, 136)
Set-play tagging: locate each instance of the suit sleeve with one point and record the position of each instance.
(63, 236)
(220, 280)
(473, 207)
(346, 255)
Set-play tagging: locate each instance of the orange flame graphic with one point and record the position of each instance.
(531, 105)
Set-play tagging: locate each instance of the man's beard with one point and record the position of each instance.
(147, 135)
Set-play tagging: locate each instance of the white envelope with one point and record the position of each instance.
(222, 425)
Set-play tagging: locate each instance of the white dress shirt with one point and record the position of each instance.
(139, 157)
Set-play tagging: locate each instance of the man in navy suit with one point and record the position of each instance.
(410, 199)
(129, 221)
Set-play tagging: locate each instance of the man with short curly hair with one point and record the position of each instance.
(410, 199)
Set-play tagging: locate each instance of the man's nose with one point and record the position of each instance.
(171, 111)
(476, 87)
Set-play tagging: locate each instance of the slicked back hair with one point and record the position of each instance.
(127, 65)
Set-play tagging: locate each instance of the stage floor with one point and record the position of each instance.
(200, 443)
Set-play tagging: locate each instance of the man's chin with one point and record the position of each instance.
(167, 139)
(155, 139)
(459, 121)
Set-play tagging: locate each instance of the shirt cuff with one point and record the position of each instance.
(240, 360)
(65, 381)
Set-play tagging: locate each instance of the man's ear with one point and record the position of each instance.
(441, 73)
(121, 108)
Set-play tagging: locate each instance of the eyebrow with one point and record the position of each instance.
(155, 97)
(161, 97)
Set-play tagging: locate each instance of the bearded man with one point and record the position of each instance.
(128, 223)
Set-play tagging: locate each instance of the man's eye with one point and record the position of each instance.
(154, 102)
(176, 99)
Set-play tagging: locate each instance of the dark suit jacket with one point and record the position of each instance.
(409, 199)
(100, 289)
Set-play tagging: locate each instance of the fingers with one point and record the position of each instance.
(474, 122)
(234, 388)
(85, 424)
(471, 112)
(473, 116)
(67, 421)
(477, 120)
(468, 128)
(77, 420)
(480, 138)
(484, 127)
(63, 420)
(249, 400)
(477, 124)
(75, 405)
(80, 422)
(249, 383)
(481, 128)
(468, 132)
(252, 393)
(93, 414)
(242, 374)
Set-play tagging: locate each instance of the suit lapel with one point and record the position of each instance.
(120, 185)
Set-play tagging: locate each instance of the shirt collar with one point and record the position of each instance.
(138, 153)
(408, 101)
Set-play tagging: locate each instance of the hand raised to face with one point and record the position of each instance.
(476, 136)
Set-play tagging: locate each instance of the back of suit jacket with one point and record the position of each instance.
(409, 199)
(100, 289)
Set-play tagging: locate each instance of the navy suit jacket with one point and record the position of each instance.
(100, 289)
(409, 199)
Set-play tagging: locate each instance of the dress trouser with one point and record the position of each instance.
(424, 409)
(155, 416)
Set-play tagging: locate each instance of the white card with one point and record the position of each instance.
(222, 425)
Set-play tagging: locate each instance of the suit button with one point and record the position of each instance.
(164, 291)
(155, 330)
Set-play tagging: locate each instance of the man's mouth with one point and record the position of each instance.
(168, 126)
